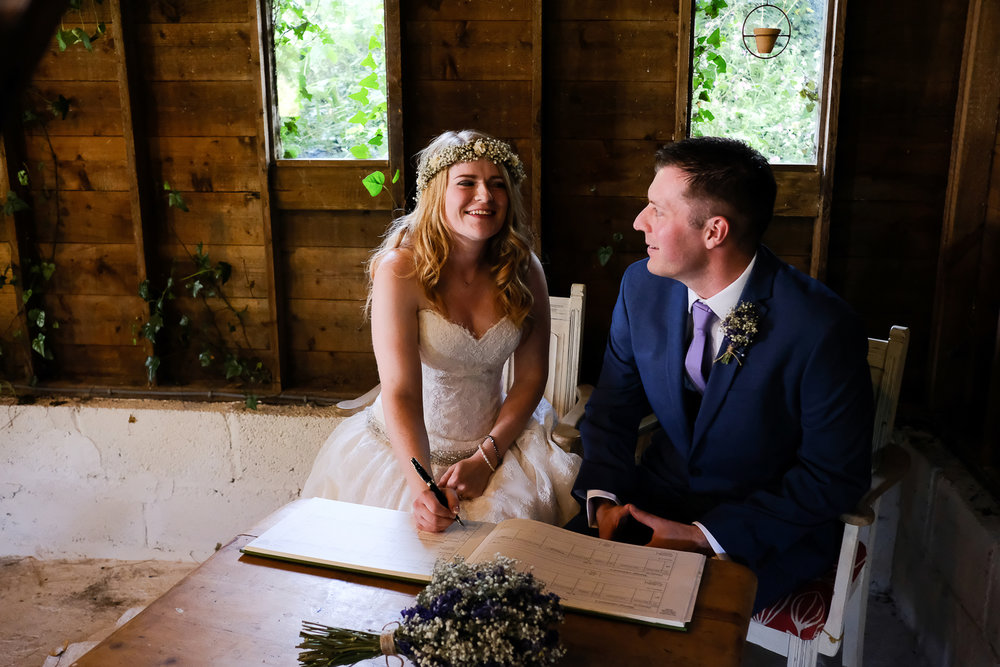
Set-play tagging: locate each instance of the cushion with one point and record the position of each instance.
(803, 612)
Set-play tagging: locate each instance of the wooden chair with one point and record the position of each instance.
(821, 615)
(564, 366)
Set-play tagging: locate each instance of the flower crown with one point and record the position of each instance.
(481, 148)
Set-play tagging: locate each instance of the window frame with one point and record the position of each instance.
(334, 179)
(803, 190)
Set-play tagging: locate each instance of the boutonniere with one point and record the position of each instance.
(739, 328)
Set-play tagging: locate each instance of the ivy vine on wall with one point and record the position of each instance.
(79, 34)
(173, 331)
(35, 273)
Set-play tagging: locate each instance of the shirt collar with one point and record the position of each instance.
(726, 300)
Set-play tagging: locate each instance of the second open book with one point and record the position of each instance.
(645, 584)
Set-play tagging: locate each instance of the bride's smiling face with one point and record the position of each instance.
(475, 202)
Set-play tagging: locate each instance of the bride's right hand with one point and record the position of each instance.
(432, 516)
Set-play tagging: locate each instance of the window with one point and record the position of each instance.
(773, 104)
(330, 74)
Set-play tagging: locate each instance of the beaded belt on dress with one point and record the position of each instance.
(437, 458)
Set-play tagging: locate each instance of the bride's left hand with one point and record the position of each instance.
(468, 477)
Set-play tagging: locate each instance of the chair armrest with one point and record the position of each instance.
(894, 463)
(352, 406)
(565, 433)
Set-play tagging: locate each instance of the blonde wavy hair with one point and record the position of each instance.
(426, 234)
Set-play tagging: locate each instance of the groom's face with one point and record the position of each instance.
(676, 248)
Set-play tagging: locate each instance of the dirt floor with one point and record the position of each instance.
(46, 605)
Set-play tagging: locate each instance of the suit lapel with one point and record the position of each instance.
(676, 422)
(758, 290)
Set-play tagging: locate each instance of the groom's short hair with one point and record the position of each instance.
(726, 177)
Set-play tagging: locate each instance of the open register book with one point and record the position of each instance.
(655, 586)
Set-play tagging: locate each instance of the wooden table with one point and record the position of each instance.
(236, 609)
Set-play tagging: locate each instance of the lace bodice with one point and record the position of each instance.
(461, 375)
(461, 382)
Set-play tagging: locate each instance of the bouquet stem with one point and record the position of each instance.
(326, 647)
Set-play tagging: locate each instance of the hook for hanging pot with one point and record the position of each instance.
(765, 38)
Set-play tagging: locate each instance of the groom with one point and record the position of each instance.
(756, 373)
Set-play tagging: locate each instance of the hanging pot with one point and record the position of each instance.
(765, 38)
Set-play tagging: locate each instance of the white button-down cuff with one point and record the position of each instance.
(592, 496)
(720, 553)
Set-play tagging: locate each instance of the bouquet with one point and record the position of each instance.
(485, 614)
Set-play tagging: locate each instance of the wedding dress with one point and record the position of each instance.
(461, 397)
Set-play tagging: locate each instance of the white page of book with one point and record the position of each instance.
(364, 539)
(652, 585)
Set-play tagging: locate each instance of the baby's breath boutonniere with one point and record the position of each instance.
(739, 328)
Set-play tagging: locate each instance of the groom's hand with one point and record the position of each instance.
(670, 534)
(612, 519)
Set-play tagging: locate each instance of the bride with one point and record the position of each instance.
(455, 289)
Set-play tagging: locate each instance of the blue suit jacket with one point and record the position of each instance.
(781, 443)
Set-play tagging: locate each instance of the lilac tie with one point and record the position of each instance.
(697, 362)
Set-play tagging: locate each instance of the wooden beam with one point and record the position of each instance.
(537, 94)
(827, 132)
(262, 60)
(137, 175)
(685, 33)
(394, 92)
(964, 324)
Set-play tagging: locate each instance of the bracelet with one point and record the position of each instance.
(486, 458)
(494, 443)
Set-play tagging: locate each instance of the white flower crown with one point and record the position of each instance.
(481, 148)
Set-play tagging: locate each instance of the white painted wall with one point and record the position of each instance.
(131, 479)
(946, 569)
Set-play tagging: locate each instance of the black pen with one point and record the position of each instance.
(435, 489)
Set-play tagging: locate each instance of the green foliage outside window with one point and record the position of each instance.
(771, 104)
(330, 70)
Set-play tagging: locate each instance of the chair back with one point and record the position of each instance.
(564, 350)
(885, 360)
(837, 604)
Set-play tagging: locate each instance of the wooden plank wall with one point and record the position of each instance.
(610, 73)
(81, 210)
(197, 72)
(201, 119)
(964, 374)
(323, 253)
(470, 65)
(893, 151)
(585, 90)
